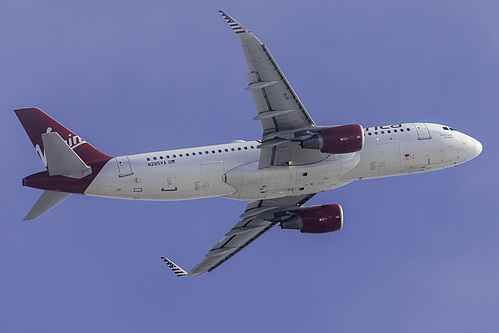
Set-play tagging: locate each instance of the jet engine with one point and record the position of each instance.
(336, 140)
(316, 220)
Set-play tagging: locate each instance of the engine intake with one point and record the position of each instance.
(336, 140)
(316, 220)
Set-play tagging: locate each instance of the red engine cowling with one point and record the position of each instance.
(316, 220)
(336, 140)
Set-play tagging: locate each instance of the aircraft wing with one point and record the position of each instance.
(259, 217)
(280, 111)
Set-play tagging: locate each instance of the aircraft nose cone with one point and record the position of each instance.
(473, 146)
(477, 148)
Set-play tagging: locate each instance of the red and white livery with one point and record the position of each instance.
(277, 175)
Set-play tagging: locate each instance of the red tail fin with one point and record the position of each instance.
(36, 122)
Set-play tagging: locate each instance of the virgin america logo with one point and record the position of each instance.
(72, 141)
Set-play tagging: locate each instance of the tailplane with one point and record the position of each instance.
(47, 201)
(68, 158)
(61, 159)
(36, 123)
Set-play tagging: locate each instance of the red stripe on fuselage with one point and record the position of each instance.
(43, 181)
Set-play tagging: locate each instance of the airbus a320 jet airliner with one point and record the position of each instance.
(294, 160)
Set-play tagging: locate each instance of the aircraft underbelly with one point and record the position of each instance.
(160, 182)
(253, 183)
(212, 178)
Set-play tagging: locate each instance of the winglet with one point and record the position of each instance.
(236, 26)
(174, 267)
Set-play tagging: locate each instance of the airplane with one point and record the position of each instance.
(294, 160)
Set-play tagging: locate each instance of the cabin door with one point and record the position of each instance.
(124, 167)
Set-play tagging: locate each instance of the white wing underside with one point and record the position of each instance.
(279, 109)
(283, 117)
(254, 223)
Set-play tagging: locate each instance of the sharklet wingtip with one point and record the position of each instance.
(179, 271)
(236, 26)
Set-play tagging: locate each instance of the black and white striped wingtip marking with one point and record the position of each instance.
(236, 26)
(174, 267)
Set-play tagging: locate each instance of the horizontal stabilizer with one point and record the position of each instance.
(47, 201)
(61, 159)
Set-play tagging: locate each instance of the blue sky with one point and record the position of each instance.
(417, 253)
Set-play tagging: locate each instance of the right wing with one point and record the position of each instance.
(282, 114)
(279, 108)
(259, 217)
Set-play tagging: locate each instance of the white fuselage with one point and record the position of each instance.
(231, 170)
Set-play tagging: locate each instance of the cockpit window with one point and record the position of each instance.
(445, 128)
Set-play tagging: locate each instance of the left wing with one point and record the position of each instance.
(259, 217)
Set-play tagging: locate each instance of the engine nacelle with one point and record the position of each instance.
(316, 220)
(336, 140)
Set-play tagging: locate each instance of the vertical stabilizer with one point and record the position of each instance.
(36, 122)
(47, 201)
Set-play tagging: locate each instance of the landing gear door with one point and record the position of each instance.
(423, 131)
(124, 167)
